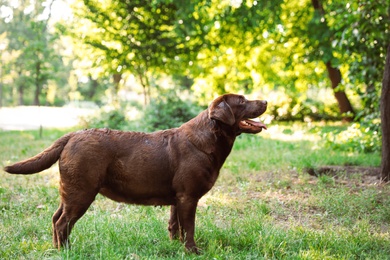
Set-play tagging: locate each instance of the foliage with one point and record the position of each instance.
(107, 118)
(165, 111)
(304, 107)
(232, 60)
(31, 60)
(168, 111)
(357, 137)
(133, 37)
(121, 116)
(248, 47)
(361, 36)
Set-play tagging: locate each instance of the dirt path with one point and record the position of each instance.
(32, 117)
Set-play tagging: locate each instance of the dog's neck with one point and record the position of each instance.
(209, 135)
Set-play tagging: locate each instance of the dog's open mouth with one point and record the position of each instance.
(250, 126)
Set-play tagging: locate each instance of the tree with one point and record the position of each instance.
(239, 46)
(361, 35)
(385, 118)
(134, 37)
(34, 59)
(266, 46)
(231, 58)
(323, 37)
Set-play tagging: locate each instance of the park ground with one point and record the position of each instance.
(282, 194)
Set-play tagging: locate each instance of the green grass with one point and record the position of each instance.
(263, 206)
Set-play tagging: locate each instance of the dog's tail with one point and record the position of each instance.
(42, 160)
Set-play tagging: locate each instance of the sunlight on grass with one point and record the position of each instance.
(217, 197)
(290, 133)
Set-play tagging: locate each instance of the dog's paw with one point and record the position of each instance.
(193, 249)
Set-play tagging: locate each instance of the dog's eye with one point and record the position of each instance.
(242, 100)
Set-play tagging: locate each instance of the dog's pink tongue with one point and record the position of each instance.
(263, 126)
(257, 124)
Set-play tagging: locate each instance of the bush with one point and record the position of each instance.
(107, 118)
(284, 107)
(168, 111)
(357, 137)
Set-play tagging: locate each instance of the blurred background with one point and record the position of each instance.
(154, 64)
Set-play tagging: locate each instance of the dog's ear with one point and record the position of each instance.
(221, 111)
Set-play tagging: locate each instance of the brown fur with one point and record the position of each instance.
(172, 167)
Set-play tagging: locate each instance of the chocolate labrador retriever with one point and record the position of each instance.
(173, 167)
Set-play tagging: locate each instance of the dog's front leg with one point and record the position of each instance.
(186, 209)
(173, 226)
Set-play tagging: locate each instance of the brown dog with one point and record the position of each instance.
(172, 167)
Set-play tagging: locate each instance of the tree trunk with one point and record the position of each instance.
(145, 86)
(36, 95)
(1, 94)
(20, 95)
(144, 89)
(385, 118)
(37, 83)
(94, 84)
(1, 86)
(117, 79)
(345, 106)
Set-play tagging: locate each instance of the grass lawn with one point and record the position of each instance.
(263, 206)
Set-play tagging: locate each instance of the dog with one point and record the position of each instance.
(173, 167)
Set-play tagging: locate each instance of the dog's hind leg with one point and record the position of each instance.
(56, 216)
(71, 209)
(80, 179)
(69, 216)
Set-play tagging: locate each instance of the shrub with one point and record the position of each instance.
(120, 116)
(357, 137)
(284, 107)
(107, 118)
(168, 111)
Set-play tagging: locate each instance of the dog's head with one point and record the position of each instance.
(236, 111)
